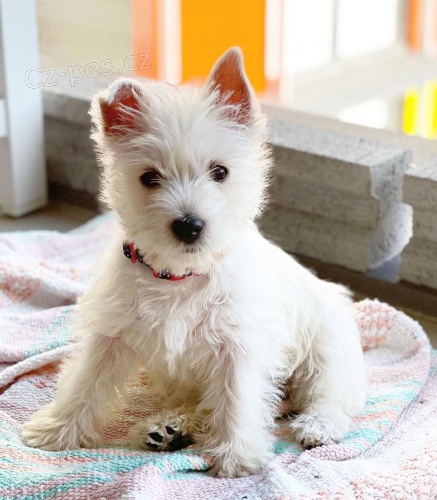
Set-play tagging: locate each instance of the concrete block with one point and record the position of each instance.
(338, 161)
(392, 235)
(420, 188)
(309, 167)
(71, 160)
(297, 232)
(333, 204)
(419, 263)
(346, 245)
(425, 224)
(329, 164)
(71, 103)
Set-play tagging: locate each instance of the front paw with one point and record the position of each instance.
(232, 464)
(316, 430)
(49, 429)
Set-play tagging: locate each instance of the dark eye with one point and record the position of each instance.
(150, 178)
(218, 172)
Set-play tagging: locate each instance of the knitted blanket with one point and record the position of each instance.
(390, 451)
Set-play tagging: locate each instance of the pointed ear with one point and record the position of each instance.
(120, 108)
(229, 78)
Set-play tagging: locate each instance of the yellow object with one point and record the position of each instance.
(411, 111)
(433, 112)
(429, 109)
(210, 27)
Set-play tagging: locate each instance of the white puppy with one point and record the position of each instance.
(224, 323)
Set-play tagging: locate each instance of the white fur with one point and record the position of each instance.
(223, 344)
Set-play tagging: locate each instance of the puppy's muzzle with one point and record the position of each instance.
(187, 229)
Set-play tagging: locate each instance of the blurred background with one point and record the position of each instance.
(368, 62)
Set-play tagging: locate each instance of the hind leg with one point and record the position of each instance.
(329, 388)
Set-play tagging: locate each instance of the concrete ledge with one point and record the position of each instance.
(326, 202)
(71, 160)
(331, 173)
(71, 104)
(419, 263)
(392, 235)
(334, 160)
(425, 224)
(419, 259)
(421, 186)
(297, 232)
(423, 149)
(333, 242)
(336, 178)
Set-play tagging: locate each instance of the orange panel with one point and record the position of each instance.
(415, 24)
(210, 27)
(144, 34)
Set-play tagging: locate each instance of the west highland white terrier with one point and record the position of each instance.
(224, 323)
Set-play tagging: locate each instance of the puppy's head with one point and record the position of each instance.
(185, 169)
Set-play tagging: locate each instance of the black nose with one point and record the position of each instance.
(187, 229)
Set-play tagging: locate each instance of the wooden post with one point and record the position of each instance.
(23, 180)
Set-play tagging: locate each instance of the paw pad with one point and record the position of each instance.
(167, 439)
(156, 437)
(168, 431)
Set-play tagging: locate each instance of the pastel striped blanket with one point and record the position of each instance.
(390, 451)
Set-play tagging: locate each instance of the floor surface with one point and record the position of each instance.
(55, 216)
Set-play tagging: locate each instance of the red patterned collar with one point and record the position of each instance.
(134, 255)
